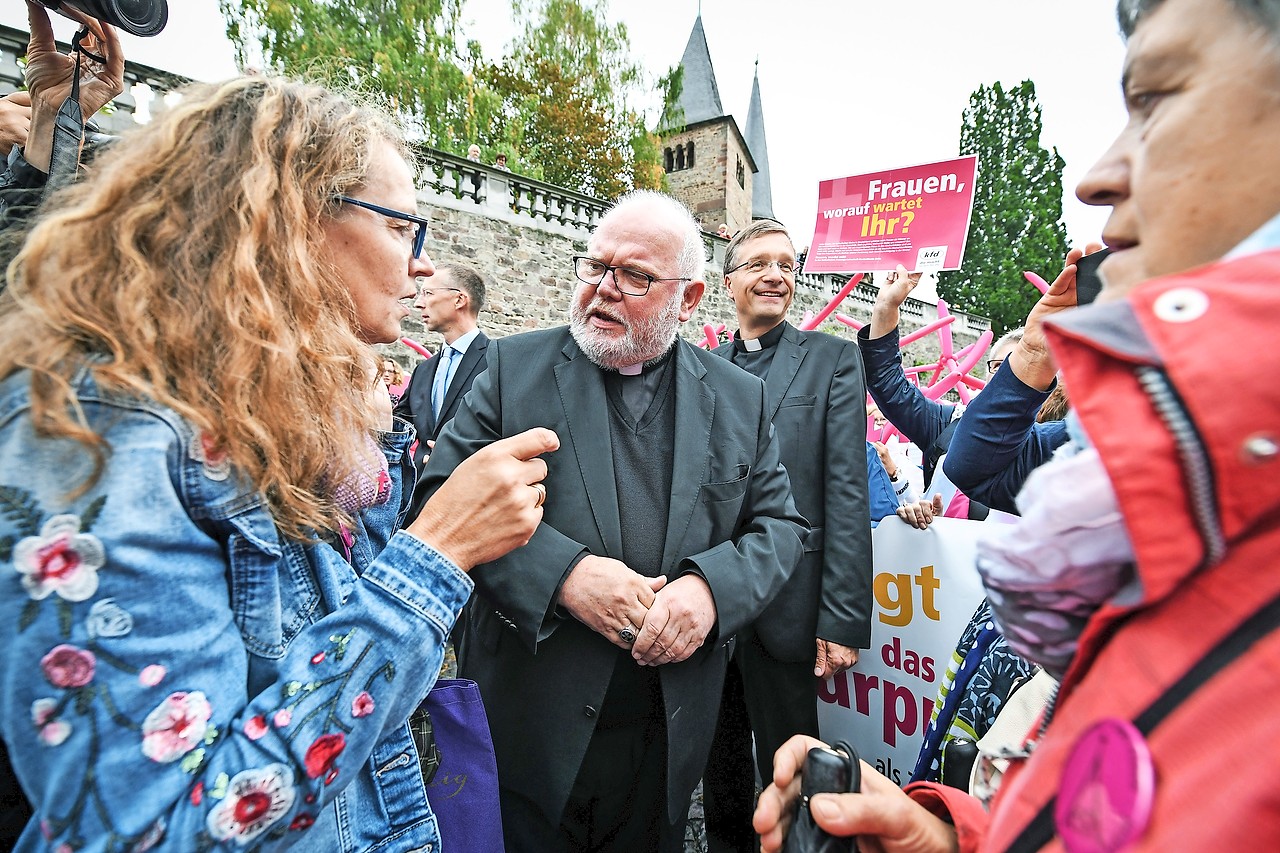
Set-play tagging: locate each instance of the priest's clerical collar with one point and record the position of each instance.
(766, 341)
(642, 366)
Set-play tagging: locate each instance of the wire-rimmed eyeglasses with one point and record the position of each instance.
(757, 266)
(630, 282)
(420, 222)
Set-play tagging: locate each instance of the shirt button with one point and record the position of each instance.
(589, 711)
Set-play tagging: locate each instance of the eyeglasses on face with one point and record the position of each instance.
(432, 291)
(758, 266)
(994, 364)
(630, 282)
(419, 222)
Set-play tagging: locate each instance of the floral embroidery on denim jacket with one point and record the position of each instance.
(178, 676)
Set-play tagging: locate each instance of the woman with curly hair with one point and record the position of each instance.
(212, 633)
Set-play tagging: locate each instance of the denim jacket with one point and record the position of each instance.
(179, 676)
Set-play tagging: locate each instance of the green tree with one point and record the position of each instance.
(1017, 208)
(560, 106)
(404, 50)
(567, 92)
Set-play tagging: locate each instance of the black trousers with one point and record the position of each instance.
(770, 700)
(618, 803)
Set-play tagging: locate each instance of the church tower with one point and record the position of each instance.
(761, 190)
(708, 162)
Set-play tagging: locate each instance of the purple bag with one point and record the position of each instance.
(464, 790)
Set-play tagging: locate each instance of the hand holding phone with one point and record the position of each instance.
(833, 770)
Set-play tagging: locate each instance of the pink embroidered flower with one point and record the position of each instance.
(283, 718)
(322, 754)
(176, 726)
(197, 794)
(302, 821)
(64, 848)
(384, 487)
(68, 666)
(362, 705)
(61, 559)
(214, 459)
(255, 727)
(152, 675)
(255, 800)
(53, 730)
(317, 658)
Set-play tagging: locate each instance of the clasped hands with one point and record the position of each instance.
(670, 620)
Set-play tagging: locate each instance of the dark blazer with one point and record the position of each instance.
(415, 405)
(543, 674)
(817, 402)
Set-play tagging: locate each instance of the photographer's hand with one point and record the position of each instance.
(882, 816)
(49, 76)
(15, 121)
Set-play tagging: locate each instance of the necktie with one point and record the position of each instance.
(441, 384)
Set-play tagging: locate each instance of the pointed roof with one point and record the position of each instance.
(761, 192)
(699, 94)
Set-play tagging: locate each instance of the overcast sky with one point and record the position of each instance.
(848, 86)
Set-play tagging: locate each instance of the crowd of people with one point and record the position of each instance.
(238, 562)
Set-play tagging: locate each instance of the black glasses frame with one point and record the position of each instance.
(577, 264)
(419, 237)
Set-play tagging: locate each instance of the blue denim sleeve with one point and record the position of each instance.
(881, 496)
(998, 443)
(917, 417)
(177, 675)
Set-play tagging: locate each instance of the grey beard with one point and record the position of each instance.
(645, 341)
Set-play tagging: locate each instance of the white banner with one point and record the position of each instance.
(926, 589)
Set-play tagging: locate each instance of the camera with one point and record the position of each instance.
(140, 17)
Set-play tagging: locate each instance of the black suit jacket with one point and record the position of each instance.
(543, 674)
(817, 401)
(415, 405)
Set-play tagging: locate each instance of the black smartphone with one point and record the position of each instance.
(1088, 282)
(826, 771)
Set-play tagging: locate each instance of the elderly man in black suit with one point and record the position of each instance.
(816, 397)
(601, 645)
(450, 303)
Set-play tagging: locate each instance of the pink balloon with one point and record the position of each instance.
(1041, 284)
(416, 347)
(815, 322)
(926, 330)
(712, 340)
(849, 321)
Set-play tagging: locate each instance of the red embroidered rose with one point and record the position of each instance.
(322, 754)
(302, 821)
(256, 727)
(68, 666)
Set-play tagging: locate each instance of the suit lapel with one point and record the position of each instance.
(783, 369)
(695, 407)
(468, 363)
(582, 395)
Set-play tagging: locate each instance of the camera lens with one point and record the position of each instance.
(140, 17)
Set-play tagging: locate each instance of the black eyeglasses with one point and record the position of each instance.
(994, 364)
(757, 267)
(420, 232)
(628, 281)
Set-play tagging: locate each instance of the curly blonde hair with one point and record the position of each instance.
(189, 268)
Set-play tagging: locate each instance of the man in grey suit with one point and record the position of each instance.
(450, 303)
(815, 627)
(601, 645)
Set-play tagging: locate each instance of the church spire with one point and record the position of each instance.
(699, 94)
(761, 193)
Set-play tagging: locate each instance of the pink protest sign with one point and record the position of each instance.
(916, 216)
